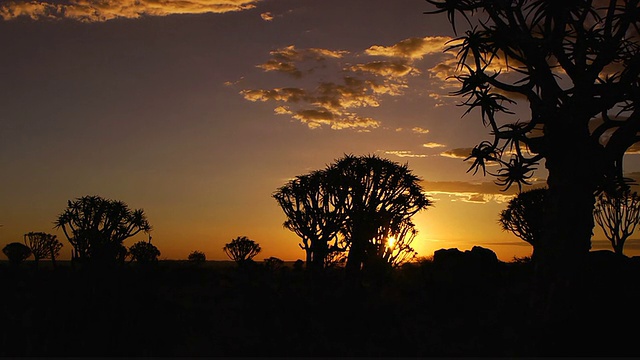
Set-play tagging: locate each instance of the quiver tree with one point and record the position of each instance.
(618, 215)
(524, 216)
(16, 252)
(241, 249)
(378, 195)
(97, 227)
(43, 246)
(352, 206)
(577, 65)
(314, 213)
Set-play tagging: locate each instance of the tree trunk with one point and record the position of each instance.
(575, 171)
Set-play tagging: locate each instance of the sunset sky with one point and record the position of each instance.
(197, 111)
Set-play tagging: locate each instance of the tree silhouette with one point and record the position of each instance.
(197, 257)
(241, 249)
(618, 215)
(43, 246)
(312, 213)
(577, 64)
(16, 252)
(378, 196)
(273, 263)
(524, 216)
(144, 252)
(96, 228)
(352, 206)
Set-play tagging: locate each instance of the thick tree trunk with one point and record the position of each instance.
(575, 171)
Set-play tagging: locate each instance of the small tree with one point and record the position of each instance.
(197, 257)
(42, 246)
(16, 252)
(241, 249)
(618, 215)
(524, 216)
(144, 252)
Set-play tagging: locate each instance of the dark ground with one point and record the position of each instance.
(425, 309)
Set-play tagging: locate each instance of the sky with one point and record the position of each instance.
(197, 111)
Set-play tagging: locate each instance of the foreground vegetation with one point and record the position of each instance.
(429, 308)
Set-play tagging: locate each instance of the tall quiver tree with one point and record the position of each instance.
(43, 246)
(379, 195)
(618, 215)
(524, 216)
(313, 213)
(577, 64)
(97, 227)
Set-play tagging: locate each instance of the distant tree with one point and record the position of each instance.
(577, 66)
(312, 211)
(96, 228)
(197, 257)
(16, 252)
(241, 249)
(43, 246)
(144, 252)
(618, 215)
(273, 263)
(524, 216)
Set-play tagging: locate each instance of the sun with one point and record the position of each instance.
(391, 241)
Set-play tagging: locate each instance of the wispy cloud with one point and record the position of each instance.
(345, 83)
(473, 192)
(433, 145)
(329, 103)
(419, 130)
(404, 153)
(286, 59)
(411, 48)
(267, 16)
(104, 10)
(458, 153)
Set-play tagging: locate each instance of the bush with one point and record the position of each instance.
(16, 252)
(197, 257)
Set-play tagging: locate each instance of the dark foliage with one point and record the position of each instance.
(144, 252)
(16, 252)
(197, 257)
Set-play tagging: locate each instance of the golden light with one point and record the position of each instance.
(391, 241)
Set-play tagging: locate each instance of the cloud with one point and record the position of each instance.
(411, 48)
(392, 69)
(285, 59)
(267, 16)
(343, 87)
(328, 104)
(432, 145)
(479, 193)
(458, 153)
(104, 10)
(419, 130)
(404, 153)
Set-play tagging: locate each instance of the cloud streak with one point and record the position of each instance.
(105, 10)
(479, 193)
